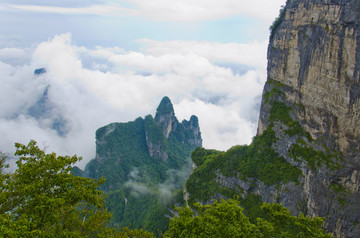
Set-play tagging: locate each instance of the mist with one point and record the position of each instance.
(86, 88)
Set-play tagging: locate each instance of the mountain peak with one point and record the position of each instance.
(165, 107)
(39, 71)
(165, 117)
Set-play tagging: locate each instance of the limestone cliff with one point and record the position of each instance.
(314, 61)
(306, 154)
(186, 132)
(165, 117)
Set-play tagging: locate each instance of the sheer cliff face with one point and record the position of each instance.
(314, 69)
(306, 153)
(316, 52)
(165, 117)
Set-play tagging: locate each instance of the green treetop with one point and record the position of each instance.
(226, 219)
(42, 198)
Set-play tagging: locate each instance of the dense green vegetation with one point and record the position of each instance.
(143, 186)
(301, 149)
(258, 160)
(153, 132)
(165, 106)
(121, 149)
(226, 219)
(43, 199)
(313, 158)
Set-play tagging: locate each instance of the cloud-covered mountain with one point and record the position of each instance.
(145, 163)
(85, 88)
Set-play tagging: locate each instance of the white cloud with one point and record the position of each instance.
(170, 10)
(194, 10)
(137, 189)
(227, 123)
(93, 9)
(14, 56)
(252, 54)
(131, 84)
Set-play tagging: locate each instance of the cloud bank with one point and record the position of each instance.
(84, 89)
(162, 10)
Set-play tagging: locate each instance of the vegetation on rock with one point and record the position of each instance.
(145, 170)
(274, 26)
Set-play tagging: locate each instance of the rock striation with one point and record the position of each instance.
(314, 61)
(308, 121)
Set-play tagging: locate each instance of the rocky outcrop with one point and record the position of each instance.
(47, 113)
(316, 53)
(155, 140)
(165, 117)
(146, 141)
(314, 68)
(193, 131)
(39, 71)
(186, 132)
(308, 120)
(145, 162)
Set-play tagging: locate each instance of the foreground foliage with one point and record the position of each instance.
(42, 198)
(226, 219)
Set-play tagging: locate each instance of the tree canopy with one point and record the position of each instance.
(42, 198)
(226, 219)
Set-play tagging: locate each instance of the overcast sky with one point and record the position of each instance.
(112, 61)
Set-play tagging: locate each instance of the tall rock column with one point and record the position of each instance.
(165, 117)
(314, 72)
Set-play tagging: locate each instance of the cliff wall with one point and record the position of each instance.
(306, 153)
(314, 58)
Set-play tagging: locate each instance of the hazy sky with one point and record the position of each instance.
(112, 61)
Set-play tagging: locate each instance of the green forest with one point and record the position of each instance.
(43, 198)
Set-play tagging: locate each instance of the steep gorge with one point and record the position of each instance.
(306, 154)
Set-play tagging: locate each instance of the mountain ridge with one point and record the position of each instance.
(145, 163)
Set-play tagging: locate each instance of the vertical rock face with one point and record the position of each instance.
(314, 68)
(187, 131)
(306, 154)
(316, 53)
(155, 140)
(165, 117)
(193, 130)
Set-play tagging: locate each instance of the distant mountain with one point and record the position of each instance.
(46, 112)
(40, 71)
(146, 163)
